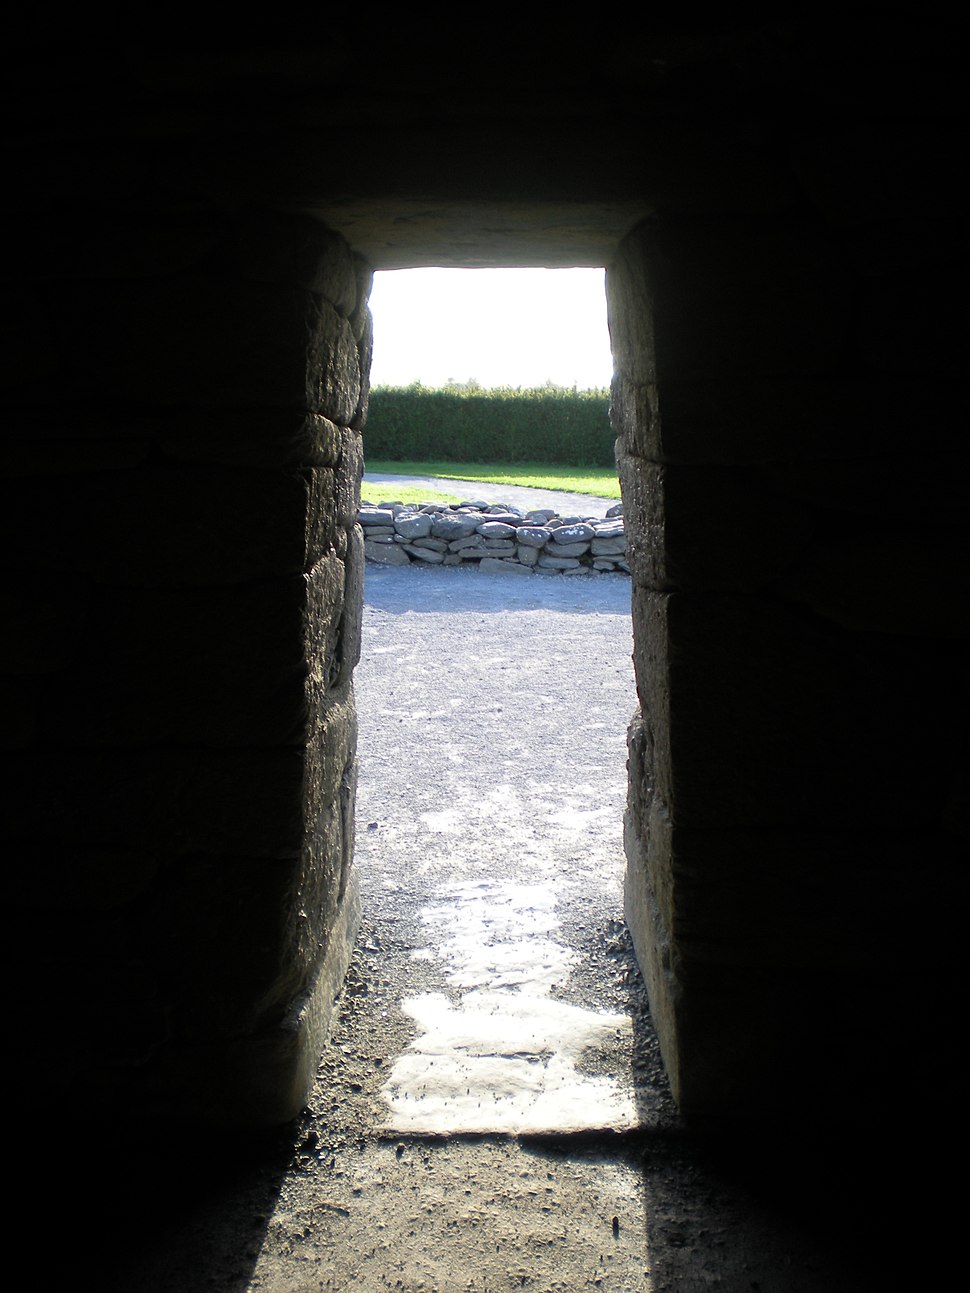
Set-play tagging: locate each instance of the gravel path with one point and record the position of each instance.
(377, 487)
(497, 825)
(511, 1125)
(491, 1113)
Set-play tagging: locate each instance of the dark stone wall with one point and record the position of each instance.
(183, 579)
(787, 384)
(189, 238)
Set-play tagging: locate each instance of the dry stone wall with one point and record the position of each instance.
(495, 537)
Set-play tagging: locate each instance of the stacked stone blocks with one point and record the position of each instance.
(494, 538)
(799, 615)
(181, 754)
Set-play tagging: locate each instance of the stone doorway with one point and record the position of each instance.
(498, 734)
(204, 305)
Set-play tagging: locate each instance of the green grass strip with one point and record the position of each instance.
(412, 495)
(601, 482)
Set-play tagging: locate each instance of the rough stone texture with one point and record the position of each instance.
(493, 536)
(184, 576)
(800, 639)
(191, 236)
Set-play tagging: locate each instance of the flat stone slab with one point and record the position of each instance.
(499, 567)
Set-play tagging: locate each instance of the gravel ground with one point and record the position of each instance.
(492, 724)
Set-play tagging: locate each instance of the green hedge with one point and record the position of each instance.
(469, 424)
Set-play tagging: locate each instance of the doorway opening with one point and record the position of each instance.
(493, 714)
(496, 380)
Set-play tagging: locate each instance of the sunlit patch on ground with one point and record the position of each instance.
(504, 1057)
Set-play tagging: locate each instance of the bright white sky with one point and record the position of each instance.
(500, 327)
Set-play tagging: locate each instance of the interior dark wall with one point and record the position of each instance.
(800, 614)
(190, 235)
